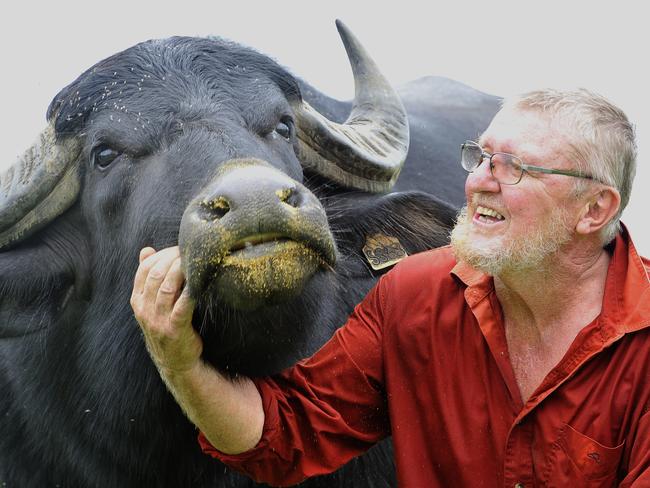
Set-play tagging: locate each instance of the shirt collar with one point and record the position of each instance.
(626, 304)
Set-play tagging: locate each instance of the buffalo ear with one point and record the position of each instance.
(39, 187)
(417, 220)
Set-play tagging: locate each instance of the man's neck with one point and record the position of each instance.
(561, 288)
(544, 310)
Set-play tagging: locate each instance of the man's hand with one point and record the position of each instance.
(230, 414)
(164, 311)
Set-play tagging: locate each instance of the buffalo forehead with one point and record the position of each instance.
(200, 79)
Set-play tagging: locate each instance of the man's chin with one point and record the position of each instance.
(500, 254)
(473, 248)
(479, 259)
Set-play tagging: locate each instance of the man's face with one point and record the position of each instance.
(514, 227)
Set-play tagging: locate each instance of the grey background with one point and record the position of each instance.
(500, 47)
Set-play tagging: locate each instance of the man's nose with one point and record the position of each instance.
(481, 179)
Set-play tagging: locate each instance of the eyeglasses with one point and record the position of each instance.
(506, 168)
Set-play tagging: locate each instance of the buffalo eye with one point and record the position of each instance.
(102, 156)
(285, 128)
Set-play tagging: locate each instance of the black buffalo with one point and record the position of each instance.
(272, 190)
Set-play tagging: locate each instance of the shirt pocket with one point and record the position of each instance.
(584, 461)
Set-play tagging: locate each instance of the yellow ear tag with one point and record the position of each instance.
(383, 251)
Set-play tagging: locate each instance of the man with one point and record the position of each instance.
(519, 356)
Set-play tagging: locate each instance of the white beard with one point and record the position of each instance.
(500, 255)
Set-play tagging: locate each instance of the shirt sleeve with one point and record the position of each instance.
(638, 474)
(324, 411)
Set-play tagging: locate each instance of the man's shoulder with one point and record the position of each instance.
(431, 265)
(418, 284)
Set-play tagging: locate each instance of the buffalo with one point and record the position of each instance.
(285, 203)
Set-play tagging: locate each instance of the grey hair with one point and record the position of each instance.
(602, 139)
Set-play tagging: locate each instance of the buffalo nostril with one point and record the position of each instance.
(214, 208)
(290, 196)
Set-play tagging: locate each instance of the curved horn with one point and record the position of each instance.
(368, 150)
(40, 186)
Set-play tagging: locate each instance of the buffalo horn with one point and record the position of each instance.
(368, 150)
(40, 186)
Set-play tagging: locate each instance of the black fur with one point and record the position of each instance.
(82, 405)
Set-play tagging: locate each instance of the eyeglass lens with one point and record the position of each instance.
(504, 167)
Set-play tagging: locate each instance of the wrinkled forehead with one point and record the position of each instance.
(530, 134)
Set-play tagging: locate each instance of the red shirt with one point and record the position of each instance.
(424, 358)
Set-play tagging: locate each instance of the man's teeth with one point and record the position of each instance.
(489, 212)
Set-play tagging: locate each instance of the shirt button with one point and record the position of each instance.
(519, 485)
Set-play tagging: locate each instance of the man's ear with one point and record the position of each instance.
(599, 210)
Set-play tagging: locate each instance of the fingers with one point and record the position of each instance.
(145, 253)
(143, 270)
(157, 288)
(183, 309)
(163, 312)
(170, 288)
(159, 265)
(162, 259)
(141, 275)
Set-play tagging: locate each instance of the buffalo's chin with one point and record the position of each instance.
(263, 274)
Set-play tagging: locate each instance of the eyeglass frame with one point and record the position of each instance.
(524, 167)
